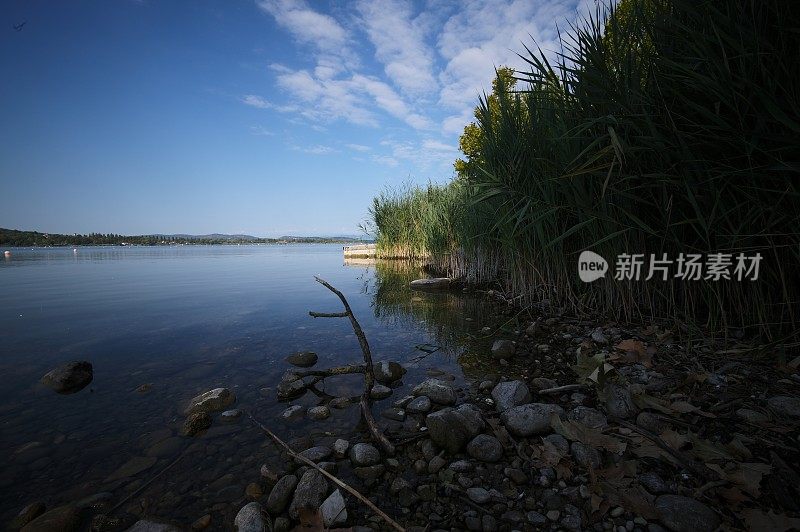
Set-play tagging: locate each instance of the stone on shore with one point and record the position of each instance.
(502, 349)
(28, 514)
(293, 412)
(485, 448)
(333, 510)
(588, 416)
(69, 378)
(388, 372)
(684, 514)
(510, 394)
(379, 391)
(436, 390)
(309, 493)
(318, 413)
(451, 428)
(364, 454)
(419, 405)
(785, 406)
(149, 525)
(316, 454)
(281, 494)
(62, 518)
(303, 359)
(211, 401)
(252, 518)
(530, 419)
(435, 283)
(196, 423)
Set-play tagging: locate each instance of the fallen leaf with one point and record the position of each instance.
(746, 476)
(759, 521)
(634, 352)
(572, 430)
(310, 520)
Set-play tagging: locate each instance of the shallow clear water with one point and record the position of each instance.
(185, 320)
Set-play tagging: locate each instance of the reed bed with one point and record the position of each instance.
(665, 126)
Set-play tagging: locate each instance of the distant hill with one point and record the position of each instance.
(16, 238)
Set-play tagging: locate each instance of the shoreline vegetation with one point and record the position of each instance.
(15, 238)
(664, 127)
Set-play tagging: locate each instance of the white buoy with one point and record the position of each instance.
(7, 253)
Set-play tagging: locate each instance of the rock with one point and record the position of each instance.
(202, 523)
(290, 387)
(599, 337)
(502, 349)
(379, 391)
(485, 448)
(281, 494)
(316, 454)
(486, 386)
(196, 423)
(282, 524)
(132, 467)
(310, 492)
(369, 472)
(785, 406)
(535, 518)
(654, 483)
(530, 419)
(231, 415)
(340, 402)
(318, 413)
(478, 495)
(585, 456)
(751, 416)
(302, 359)
(588, 416)
(150, 525)
(419, 405)
(472, 418)
(334, 510)
(28, 514)
(683, 514)
(436, 464)
(533, 329)
(340, 448)
(396, 414)
(167, 447)
(62, 518)
(618, 401)
(388, 372)
(364, 454)
(252, 518)
(510, 394)
(211, 401)
(69, 378)
(461, 466)
(451, 428)
(253, 491)
(542, 383)
(651, 422)
(437, 391)
(293, 412)
(517, 476)
(559, 442)
(436, 283)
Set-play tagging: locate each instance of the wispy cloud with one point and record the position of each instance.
(358, 147)
(261, 131)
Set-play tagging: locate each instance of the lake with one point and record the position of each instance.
(182, 320)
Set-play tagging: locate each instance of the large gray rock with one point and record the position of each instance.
(419, 405)
(303, 359)
(291, 386)
(510, 394)
(683, 514)
(281, 494)
(530, 419)
(452, 428)
(148, 525)
(485, 448)
(334, 510)
(69, 378)
(379, 391)
(211, 401)
(310, 492)
(316, 454)
(785, 406)
(364, 454)
(388, 372)
(436, 283)
(252, 518)
(436, 390)
(502, 349)
(585, 456)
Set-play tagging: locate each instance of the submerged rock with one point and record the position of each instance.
(530, 419)
(293, 412)
(211, 401)
(379, 391)
(388, 372)
(684, 514)
(252, 518)
(195, 423)
(510, 394)
(437, 391)
(132, 467)
(419, 405)
(435, 283)
(290, 387)
(231, 415)
(281, 494)
(69, 378)
(318, 413)
(304, 359)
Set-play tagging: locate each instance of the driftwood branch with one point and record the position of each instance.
(331, 372)
(369, 372)
(561, 389)
(328, 314)
(352, 491)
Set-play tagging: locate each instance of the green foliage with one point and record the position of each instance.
(651, 134)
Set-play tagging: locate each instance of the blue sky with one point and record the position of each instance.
(264, 117)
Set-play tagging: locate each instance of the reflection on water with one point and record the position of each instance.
(183, 320)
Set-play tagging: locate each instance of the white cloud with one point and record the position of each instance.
(305, 24)
(317, 150)
(261, 131)
(255, 101)
(386, 160)
(358, 147)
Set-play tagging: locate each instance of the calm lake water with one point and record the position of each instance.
(185, 320)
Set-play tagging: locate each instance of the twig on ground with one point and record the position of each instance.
(561, 389)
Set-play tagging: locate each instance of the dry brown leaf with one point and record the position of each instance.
(634, 351)
(634, 499)
(707, 451)
(310, 520)
(759, 521)
(572, 430)
(746, 476)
